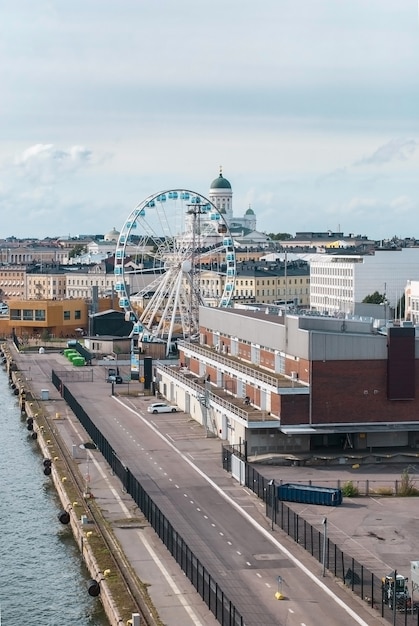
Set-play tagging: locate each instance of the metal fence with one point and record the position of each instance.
(76, 375)
(205, 584)
(353, 574)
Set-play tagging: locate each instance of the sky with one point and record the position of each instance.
(311, 107)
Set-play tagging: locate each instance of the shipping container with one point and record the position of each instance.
(310, 494)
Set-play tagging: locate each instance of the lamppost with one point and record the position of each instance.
(324, 522)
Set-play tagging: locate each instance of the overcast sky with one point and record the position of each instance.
(310, 106)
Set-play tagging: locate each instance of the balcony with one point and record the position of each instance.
(234, 366)
(219, 396)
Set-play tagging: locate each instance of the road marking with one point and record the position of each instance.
(181, 597)
(258, 575)
(253, 522)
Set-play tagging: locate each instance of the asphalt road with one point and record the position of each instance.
(243, 556)
(223, 523)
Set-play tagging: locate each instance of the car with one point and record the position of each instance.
(161, 407)
(115, 378)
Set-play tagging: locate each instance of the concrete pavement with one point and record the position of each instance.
(170, 590)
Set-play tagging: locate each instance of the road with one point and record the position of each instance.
(223, 523)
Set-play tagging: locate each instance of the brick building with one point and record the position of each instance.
(297, 383)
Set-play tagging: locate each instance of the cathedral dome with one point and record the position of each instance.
(220, 183)
(112, 235)
(250, 211)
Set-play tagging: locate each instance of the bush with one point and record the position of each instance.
(350, 490)
(407, 485)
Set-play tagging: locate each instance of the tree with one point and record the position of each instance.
(375, 298)
(77, 250)
(279, 236)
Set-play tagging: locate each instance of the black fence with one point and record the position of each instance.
(353, 574)
(207, 587)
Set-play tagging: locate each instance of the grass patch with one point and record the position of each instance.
(383, 491)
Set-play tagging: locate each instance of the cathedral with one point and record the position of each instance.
(221, 195)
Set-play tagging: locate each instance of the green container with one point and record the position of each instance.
(79, 361)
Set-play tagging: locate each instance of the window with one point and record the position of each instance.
(15, 314)
(40, 316)
(28, 314)
(77, 315)
(67, 315)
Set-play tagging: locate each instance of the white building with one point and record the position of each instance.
(337, 282)
(221, 195)
(412, 302)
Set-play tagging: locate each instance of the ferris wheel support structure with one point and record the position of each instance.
(168, 243)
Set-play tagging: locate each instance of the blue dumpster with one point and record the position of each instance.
(310, 494)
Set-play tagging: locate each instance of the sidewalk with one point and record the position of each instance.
(172, 594)
(174, 597)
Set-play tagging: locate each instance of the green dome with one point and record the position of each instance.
(250, 211)
(220, 183)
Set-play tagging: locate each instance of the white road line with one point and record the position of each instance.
(253, 522)
(176, 590)
(179, 595)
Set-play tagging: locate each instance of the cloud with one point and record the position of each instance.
(403, 205)
(394, 150)
(44, 163)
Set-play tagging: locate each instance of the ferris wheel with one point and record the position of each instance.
(174, 253)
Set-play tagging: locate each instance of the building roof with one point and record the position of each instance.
(220, 183)
(258, 269)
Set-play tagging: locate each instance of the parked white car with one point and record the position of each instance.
(161, 407)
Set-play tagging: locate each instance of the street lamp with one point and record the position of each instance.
(324, 522)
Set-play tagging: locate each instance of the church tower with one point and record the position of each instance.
(221, 195)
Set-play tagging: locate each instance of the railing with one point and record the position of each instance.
(251, 372)
(217, 400)
(205, 584)
(364, 583)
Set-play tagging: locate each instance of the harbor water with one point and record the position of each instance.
(43, 578)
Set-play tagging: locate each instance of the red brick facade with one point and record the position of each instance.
(356, 391)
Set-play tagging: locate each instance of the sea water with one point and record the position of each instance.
(43, 581)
